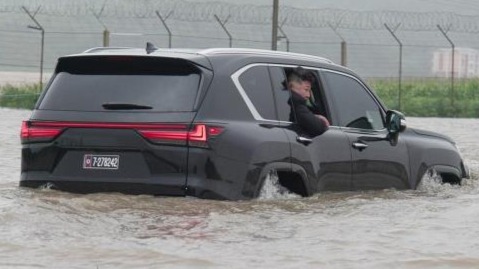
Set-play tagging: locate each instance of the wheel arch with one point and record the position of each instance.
(291, 176)
(430, 152)
(449, 174)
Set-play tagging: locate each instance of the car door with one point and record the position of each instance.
(326, 159)
(377, 161)
(263, 143)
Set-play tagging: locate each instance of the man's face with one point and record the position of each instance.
(307, 86)
(302, 88)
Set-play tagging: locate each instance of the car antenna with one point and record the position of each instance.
(150, 47)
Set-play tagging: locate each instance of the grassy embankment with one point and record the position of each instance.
(431, 98)
(423, 98)
(19, 96)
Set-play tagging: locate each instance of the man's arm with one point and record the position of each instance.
(313, 124)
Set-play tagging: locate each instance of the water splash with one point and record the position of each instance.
(432, 183)
(272, 189)
(473, 166)
(47, 186)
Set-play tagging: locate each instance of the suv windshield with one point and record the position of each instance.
(122, 83)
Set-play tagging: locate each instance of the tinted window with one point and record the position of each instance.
(257, 85)
(355, 107)
(88, 84)
(281, 93)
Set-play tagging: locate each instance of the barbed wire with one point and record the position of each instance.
(183, 10)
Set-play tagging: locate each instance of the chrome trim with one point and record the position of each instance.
(359, 145)
(258, 117)
(359, 130)
(302, 139)
(242, 92)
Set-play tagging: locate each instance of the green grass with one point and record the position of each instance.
(19, 96)
(431, 97)
(420, 97)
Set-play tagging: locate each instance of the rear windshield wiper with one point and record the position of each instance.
(124, 106)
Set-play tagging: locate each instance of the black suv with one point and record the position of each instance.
(214, 123)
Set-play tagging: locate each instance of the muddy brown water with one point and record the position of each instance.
(436, 226)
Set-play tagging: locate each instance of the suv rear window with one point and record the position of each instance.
(155, 84)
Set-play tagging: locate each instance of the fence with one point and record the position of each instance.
(377, 45)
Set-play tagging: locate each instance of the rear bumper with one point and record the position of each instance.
(198, 186)
(75, 185)
(209, 177)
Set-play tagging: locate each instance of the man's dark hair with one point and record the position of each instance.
(292, 75)
(305, 74)
(295, 76)
(299, 74)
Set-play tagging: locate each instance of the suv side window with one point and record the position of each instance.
(281, 93)
(256, 83)
(356, 108)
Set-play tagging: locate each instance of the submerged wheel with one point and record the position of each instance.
(440, 177)
(280, 183)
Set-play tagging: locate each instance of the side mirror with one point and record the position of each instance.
(395, 122)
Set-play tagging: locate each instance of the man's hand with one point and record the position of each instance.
(323, 119)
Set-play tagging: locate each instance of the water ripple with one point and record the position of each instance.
(432, 227)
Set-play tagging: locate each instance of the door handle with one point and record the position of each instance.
(359, 145)
(304, 140)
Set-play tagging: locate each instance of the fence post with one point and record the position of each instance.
(274, 39)
(452, 63)
(106, 32)
(344, 47)
(344, 53)
(283, 35)
(223, 23)
(38, 27)
(393, 33)
(163, 20)
(106, 38)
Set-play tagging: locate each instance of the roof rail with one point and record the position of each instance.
(263, 52)
(97, 49)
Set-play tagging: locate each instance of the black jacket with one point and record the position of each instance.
(304, 116)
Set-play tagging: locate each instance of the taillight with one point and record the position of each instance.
(38, 132)
(178, 134)
(197, 136)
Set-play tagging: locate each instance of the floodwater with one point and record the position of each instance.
(436, 226)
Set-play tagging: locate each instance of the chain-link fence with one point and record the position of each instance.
(397, 46)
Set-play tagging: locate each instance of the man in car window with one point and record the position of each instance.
(306, 116)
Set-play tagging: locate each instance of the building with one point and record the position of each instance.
(466, 63)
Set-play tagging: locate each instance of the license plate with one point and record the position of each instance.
(92, 161)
